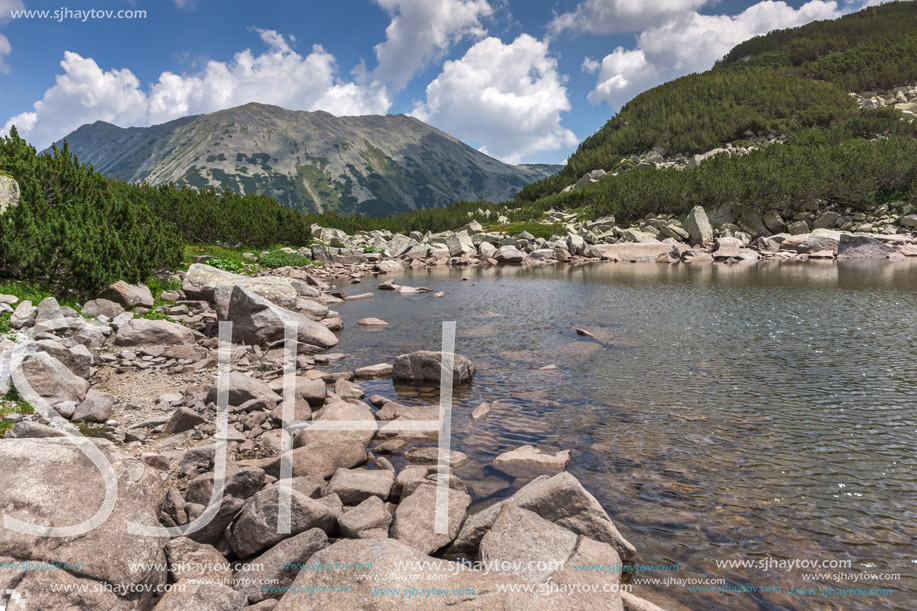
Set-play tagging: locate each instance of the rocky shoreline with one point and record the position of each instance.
(728, 234)
(145, 392)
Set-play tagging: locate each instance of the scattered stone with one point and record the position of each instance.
(184, 419)
(98, 408)
(380, 370)
(258, 321)
(102, 307)
(414, 523)
(481, 411)
(51, 380)
(431, 456)
(372, 322)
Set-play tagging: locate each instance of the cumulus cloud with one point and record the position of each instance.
(85, 92)
(692, 43)
(421, 31)
(507, 97)
(608, 16)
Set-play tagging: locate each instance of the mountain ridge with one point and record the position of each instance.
(374, 165)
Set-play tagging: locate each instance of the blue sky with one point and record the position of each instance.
(524, 81)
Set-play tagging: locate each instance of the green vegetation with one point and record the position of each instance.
(538, 230)
(284, 258)
(12, 403)
(74, 232)
(793, 83)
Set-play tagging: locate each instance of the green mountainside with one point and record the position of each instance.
(791, 85)
(307, 161)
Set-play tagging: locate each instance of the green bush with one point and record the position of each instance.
(227, 265)
(73, 230)
(282, 258)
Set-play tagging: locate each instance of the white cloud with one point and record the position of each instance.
(421, 31)
(608, 16)
(507, 97)
(590, 66)
(692, 43)
(5, 48)
(85, 92)
(9, 5)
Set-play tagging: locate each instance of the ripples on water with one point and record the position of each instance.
(725, 412)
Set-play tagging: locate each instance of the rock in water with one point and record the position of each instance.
(425, 366)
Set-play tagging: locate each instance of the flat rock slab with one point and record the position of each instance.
(633, 251)
(50, 482)
(529, 460)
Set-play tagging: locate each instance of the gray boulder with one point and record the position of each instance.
(143, 332)
(52, 380)
(560, 499)
(256, 527)
(353, 486)
(96, 408)
(415, 516)
(509, 254)
(278, 565)
(698, 226)
(202, 282)
(129, 295)
(64, 488)
(188, 594)
(424, 367)
(369, 519)
(864, 247)
(9, 193)
(258, 321)
(244, 388)
(102, 307)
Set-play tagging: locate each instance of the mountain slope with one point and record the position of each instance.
(310, 161)
(792, 83)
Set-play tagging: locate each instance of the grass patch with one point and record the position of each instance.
(218, 251)
(538, 230)
(282, 258)
(12, 404)
(35, 293)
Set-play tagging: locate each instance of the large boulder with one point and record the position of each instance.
(509, 254)
(424, 368)
(143, 332)
(698, 226)
(366, 565)
(527, 460)
(243, 388)
(51, 380)
(864, 247)
(460, 244)
(353, 486)
(102, 307)
(52, 483)
(341, 411)
(560, 499)
(320, 458)
(257, 525)
(415, 518)
(255, 320)
(203, 281)
(278, 566)
(129, 295)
